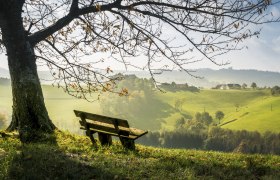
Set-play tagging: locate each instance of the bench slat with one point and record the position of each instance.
(113, 134)
(137, 132)
(104, 119)
(106, 128)
(110, 128)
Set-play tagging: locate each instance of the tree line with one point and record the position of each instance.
(202, 132)
(4, 81)
(217, 139)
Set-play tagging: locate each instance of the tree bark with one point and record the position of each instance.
(30, 116)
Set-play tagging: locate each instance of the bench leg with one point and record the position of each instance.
(105, 139)
(127, 143)
(90, 135)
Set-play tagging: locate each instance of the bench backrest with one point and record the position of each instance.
(102, 119)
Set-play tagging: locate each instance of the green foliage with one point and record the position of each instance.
(182, 139)
(217, 139)
(180, 122)
(244, 86)
(73, 157)
(204, 118)
(275, 90)
(173, 87)
(141, 107)
(219, 115)
(254, 85)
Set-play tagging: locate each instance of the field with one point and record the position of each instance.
(60, 106)
(244, 109)
(250, 109)
(66, 156)
(69, 156)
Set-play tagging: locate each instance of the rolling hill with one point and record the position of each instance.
(244, 109)
(209, 77)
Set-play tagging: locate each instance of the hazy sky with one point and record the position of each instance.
(263, 53)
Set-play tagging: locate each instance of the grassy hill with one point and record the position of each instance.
(244, 109)
(66, 156)
(250, 109)
(59, 104)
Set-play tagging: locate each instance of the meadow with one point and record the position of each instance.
(244, 109)
(253, 110)
(65, 155)
(68, 156)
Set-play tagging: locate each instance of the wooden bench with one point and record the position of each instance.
(106, 127)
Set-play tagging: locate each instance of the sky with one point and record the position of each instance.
(263, 53)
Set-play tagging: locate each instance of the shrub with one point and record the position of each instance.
(275, 90)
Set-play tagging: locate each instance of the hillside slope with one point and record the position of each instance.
(65, 156)
(211, 78)
(248, 109)
(262, 114)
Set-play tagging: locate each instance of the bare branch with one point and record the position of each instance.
(64, 33)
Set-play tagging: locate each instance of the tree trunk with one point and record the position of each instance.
(30, 116)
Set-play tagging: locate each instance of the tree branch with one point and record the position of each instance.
(74, 12)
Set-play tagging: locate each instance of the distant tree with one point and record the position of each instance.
(237, 106)
(254, 85)
(198, 116)
(4, 81)
(179, 104)
(204, 118)
(180, 123)
(244, 86)
(275, 90)
(219, 115)
(207, 119)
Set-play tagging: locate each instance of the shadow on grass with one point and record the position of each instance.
(48, 161)
(200, 166)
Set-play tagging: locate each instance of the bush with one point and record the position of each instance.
(275, 90)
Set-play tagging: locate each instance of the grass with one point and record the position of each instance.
(253, 112)
(259, 116)
(67, 156)
(59, 104)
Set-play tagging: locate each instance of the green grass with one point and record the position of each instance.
(59, 104)
(254, 111)
(259, 116)
(66, 156)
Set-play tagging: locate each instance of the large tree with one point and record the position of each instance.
(57, 33)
